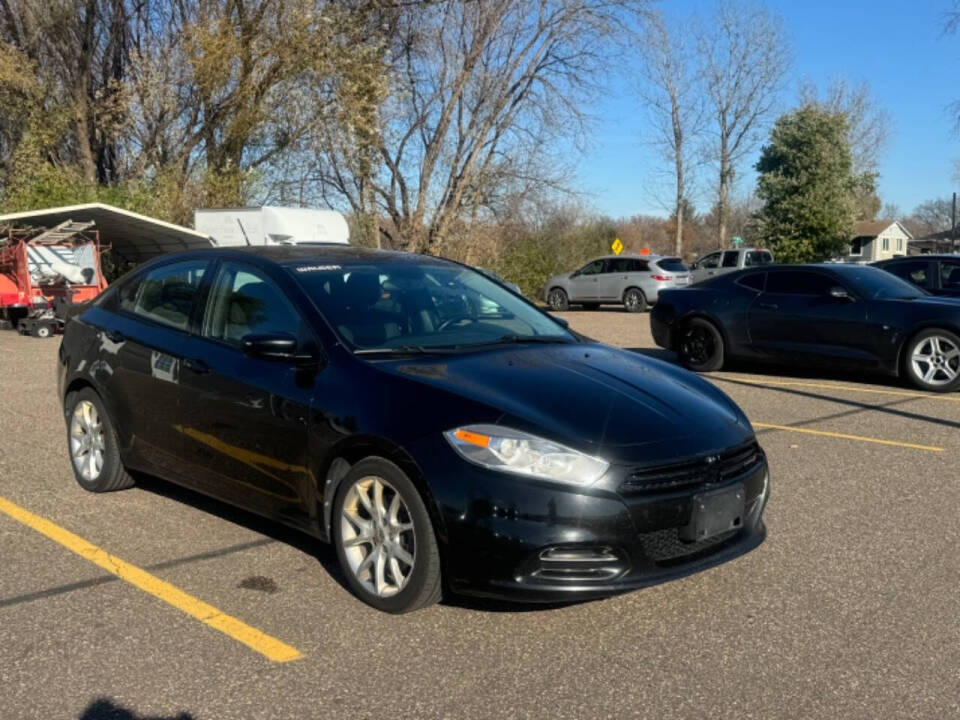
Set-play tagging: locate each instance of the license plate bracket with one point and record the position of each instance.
(715, 512)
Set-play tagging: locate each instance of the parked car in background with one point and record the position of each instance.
(497, 278)
(844, 316)
(937, 274)
(632, 280)
(726, 261)
(376, 401)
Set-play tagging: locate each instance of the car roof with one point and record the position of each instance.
(925, 256)
(314, 252)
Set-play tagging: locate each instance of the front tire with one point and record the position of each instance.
(932, 360)
(557, 300)
(385, 540)
(634, 300)
(92, 444)
(701, 346)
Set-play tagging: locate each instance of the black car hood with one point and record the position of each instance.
(617, 404)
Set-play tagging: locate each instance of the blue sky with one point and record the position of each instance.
(897, 46)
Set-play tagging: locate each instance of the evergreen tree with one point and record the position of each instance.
(808, 187)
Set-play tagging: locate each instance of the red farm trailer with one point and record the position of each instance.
(44, 271)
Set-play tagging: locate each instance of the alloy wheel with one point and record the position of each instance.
(556, 300)
(936, 360)
(87, 442)
(376, 530)
(633, 300)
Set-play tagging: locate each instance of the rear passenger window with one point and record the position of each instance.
(753, 281)
(243, 302)
(621, 265)
(165, 294)
(799, 282)
(731, 258)
(757, 257)
(950, 275)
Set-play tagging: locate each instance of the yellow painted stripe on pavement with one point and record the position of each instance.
(207, 614)
(850, 388)
(844, 436)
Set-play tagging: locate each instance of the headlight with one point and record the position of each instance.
(512, 451)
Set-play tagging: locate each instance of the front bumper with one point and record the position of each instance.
(523, 540)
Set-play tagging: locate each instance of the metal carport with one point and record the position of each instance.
(133, 237)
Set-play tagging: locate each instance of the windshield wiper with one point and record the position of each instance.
(405, 350)
(516, 339)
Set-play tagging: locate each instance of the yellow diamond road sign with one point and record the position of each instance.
(617, 246)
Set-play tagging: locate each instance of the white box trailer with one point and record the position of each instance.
(271, 226)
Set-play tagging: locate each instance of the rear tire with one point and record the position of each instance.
(634, 300)
(557, 300)
(932, 360)
(700, 347)
(92, 444)
(385, 540)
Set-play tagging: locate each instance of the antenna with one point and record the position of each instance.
(244, 232)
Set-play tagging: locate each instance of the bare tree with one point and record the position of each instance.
(481, 97)
(744, 56)
(890, 211)
(932, 216)
(672, 95)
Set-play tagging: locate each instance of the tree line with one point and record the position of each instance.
(447, 126)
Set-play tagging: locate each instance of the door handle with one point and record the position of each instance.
(198, 366)
(768, 306)
(114, 336)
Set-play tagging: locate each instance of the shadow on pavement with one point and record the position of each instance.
(106, 709)
(308, 545)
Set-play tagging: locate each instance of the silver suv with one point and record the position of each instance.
(633, 280)
(724, 261)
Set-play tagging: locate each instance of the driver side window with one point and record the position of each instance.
(710, 261)
(244, 302)
(592, 268)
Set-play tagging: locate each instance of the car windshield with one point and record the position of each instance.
(879, 284)
(402, 305)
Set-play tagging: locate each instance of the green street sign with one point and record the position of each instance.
(737, 240)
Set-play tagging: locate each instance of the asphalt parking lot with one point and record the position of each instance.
(849, 609)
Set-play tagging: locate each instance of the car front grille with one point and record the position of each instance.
(665, 547)
(705, 470)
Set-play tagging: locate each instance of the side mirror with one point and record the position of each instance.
(561, 321)
(693, 265)
(840, 293)
(280, 347)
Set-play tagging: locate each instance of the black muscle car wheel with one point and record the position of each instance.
(932, 360)
(701, 346)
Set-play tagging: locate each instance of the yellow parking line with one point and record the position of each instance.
(851, 388)
(207, 614)
(843, 436)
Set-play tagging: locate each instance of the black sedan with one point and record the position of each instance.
(440, 430)
(937, 274)
(847, 316)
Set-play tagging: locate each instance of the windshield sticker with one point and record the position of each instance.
(317, 268)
